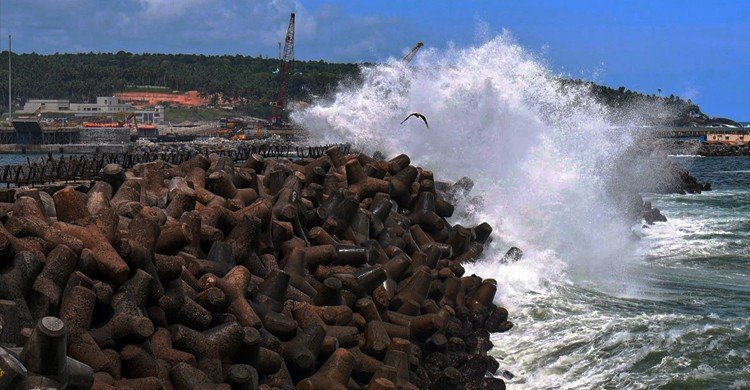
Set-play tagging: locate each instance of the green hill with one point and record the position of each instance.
(250, 80)
(650, 109)
(82, 77)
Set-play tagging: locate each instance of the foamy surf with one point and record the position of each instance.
(592, 307)
(540, 152)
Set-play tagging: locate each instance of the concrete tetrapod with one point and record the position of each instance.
(333, 272)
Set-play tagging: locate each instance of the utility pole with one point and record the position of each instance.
(10, 96)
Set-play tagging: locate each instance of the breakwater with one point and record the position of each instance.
(723, 150)
(339, 271)
(89, 167)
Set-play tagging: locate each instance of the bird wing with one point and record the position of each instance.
(418, 115)
(424, 119)
(407, 118)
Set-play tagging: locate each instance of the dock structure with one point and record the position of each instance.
(709, 135)
(30, 132)
(27, 135)
(89, 167)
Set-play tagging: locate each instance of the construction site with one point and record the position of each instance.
(114, 123)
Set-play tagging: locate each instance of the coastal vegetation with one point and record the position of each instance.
(181, 114)
(649, 108)
(250, 83)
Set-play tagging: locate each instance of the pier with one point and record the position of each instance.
(705, 134)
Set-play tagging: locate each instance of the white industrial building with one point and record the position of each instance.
(105, 105)
(150, 115)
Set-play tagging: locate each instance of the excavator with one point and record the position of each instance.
(231, 128)
(127, 122)
(142, 128)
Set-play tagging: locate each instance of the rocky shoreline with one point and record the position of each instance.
(339, 272)
(673, 180)
(645, 168)
(723, 150)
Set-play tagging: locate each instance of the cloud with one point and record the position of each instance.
(170, 9)
(690, 92)
(329, 30)
(275, 14)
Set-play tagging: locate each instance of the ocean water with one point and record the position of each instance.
(12, 159)
(682, 322)
(598, 302)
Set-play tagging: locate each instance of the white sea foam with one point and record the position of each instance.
(539, 152)
(686, 155)
(542, 156)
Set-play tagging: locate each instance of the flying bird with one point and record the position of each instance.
(418, 115)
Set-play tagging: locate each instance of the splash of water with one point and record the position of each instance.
(541, 153)
(546, 157)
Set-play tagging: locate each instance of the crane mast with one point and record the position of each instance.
(408, 57)
(285, 69)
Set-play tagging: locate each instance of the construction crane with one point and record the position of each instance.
(408, 57)
(285, 69)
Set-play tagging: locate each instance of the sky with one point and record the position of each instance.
(695, 49)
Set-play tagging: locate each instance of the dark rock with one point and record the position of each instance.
(498, 327)
(513, 254)
(492, 383)
(651, 215)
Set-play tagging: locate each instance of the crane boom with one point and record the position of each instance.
(408, 57)
(285, 69)
(135, 120)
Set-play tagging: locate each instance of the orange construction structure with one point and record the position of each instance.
(187, 99)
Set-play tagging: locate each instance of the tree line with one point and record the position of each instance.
(249, 81)
(82, 77)
(643, 108)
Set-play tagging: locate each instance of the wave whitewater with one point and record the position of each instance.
(589, 311)
(540, 153)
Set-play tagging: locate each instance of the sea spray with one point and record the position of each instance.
(541, 152)
(546, 158)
